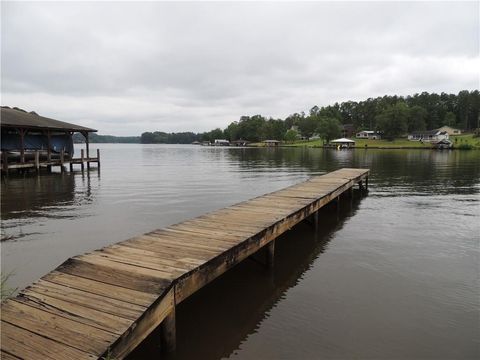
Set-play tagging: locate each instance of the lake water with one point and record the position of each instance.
(393, 275)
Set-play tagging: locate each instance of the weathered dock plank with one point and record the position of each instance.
(109, 300)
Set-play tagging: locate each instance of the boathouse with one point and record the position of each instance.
(343, 143)
(29, 140)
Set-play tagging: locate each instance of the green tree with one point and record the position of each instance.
(450, 119)
(417, 118)
(291, 135)
(329, 128)
(393, 120)
(231, 132)
(307, 126)
(251, 128)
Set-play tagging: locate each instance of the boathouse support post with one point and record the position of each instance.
(169, 332)
(82, 160)
(37, 161)
(22, 133)
(49, 144)
(62, 160)
(87, 145)
(270, 254)
(5, 161)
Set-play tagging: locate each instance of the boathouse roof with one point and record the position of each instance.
(18, 118)
(343, 140)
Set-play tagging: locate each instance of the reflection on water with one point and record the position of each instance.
(397, 277)
(28, 199)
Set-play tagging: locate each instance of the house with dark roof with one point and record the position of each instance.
(428, 135)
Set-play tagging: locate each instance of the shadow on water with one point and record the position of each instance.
(212, 323)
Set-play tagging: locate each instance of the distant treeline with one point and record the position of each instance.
(95, 138)
(392, 115)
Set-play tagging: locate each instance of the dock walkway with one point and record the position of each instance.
(108, 301)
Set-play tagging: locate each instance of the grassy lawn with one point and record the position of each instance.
(468, 139)
(397, 143)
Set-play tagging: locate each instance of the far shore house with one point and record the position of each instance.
(428, 135)
(30, 140)
(343, 143)
(221, 142)
(271, 143)
(450, 131)
(369, 134)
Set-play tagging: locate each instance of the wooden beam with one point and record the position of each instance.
(169, 332)
(270, 254)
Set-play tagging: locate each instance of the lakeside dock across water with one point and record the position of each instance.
(108, 301)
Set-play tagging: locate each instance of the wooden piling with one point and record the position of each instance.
(169, 332)
(37, 161)
(270, 254)
(82, 158)
(5, 162)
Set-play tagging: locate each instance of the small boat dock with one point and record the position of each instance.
(105, 303)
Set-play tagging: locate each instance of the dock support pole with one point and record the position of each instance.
(37, 161)
(62, 160)
(82, 157)
(87, 143)
(98, 158)
(169, 332)
(71, 166)
(270, 255)
(5, 161)
(315, 221)
(366, 183)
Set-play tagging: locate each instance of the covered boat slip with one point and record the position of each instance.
(105, 303)
(30, 141)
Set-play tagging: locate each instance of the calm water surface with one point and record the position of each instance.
(393, 275)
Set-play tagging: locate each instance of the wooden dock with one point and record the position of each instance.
(37, 163)
(104, 303)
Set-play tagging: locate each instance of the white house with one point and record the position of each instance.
(428, 136)
(369, 134)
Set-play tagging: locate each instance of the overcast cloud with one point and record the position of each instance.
(125, 68)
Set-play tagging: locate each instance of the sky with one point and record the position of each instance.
(129, 67)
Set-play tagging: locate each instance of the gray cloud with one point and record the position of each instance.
(125, 68)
